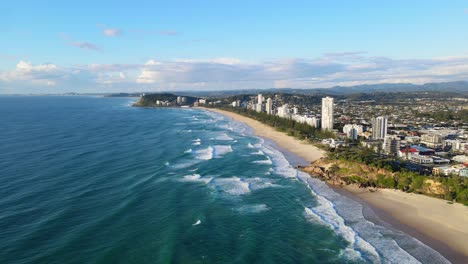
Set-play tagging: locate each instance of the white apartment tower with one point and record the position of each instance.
(269, 106)
(379, 127)
(260, 99)
(327, 113)
(352, 131)
(259, 105)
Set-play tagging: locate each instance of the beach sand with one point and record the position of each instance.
(435, 222)
(440, 225)
(298, 147)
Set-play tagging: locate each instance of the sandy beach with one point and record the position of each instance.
(300, 148)
(433, 221)
(436, 223)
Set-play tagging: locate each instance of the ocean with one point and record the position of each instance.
(94, 180)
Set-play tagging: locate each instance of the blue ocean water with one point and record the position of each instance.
(93, 180)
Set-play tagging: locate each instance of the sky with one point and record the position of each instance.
(116, 46)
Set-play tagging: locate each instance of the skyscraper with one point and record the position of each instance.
(379, 127)
(327, 113)
(269, 106)
(259, 105)
(391, 145)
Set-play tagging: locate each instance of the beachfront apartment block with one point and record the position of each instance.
(379, 127)
(327, 113)
(269, 106)
(283, 111)
(352, 131)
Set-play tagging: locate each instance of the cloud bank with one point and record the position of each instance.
(344, 69)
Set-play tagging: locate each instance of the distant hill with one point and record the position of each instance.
(460, 87)
(150, 99)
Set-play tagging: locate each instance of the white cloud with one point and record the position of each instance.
(232, 73)
(112, 32)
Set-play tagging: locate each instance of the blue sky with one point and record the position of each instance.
(86, 46)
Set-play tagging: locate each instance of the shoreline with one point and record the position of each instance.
(441, 226)
(304, 150)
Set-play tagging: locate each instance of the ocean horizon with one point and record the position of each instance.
(95, 180)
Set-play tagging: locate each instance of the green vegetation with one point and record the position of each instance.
(393, 176)
(291, 127)
(447, 115)
(149, 100)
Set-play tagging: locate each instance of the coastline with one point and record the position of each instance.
(442, 226)
(304, 150)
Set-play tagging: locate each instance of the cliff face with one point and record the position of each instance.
(339, 172)
(342, 172)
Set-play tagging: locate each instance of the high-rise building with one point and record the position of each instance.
(352, 131)
(283, 111)
(391, 145)
(269, 106)
(327, 113)
(259, 108)
(260, 99)
(379, 127)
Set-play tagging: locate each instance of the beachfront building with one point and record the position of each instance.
(421, 159)
(259, 105)
(181, 100)
(283, 111)
(313, 121)
(269, 106)
(304, 119)
(352, 131)
(379, 127)
(463, 172)
(432, 140)
(333, 143)
(259, 108)
(391, 145)
(327, 113)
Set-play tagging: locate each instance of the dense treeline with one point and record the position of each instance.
(455, 188)
(446, 115)
(291, 127)
(150, 99)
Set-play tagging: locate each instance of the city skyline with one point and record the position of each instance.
(224, 46)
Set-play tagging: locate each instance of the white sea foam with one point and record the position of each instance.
(366, 240)
(204, 154)
(185, 164)
(281, 165)
(232, 186)
(188, 151)
(252, 208)
(196, 143)
(267, 161)
(221, 150)
(260, 183)
(224, 137)
(258, 153)
(197, 223)
(197, 178)
(167, 163)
